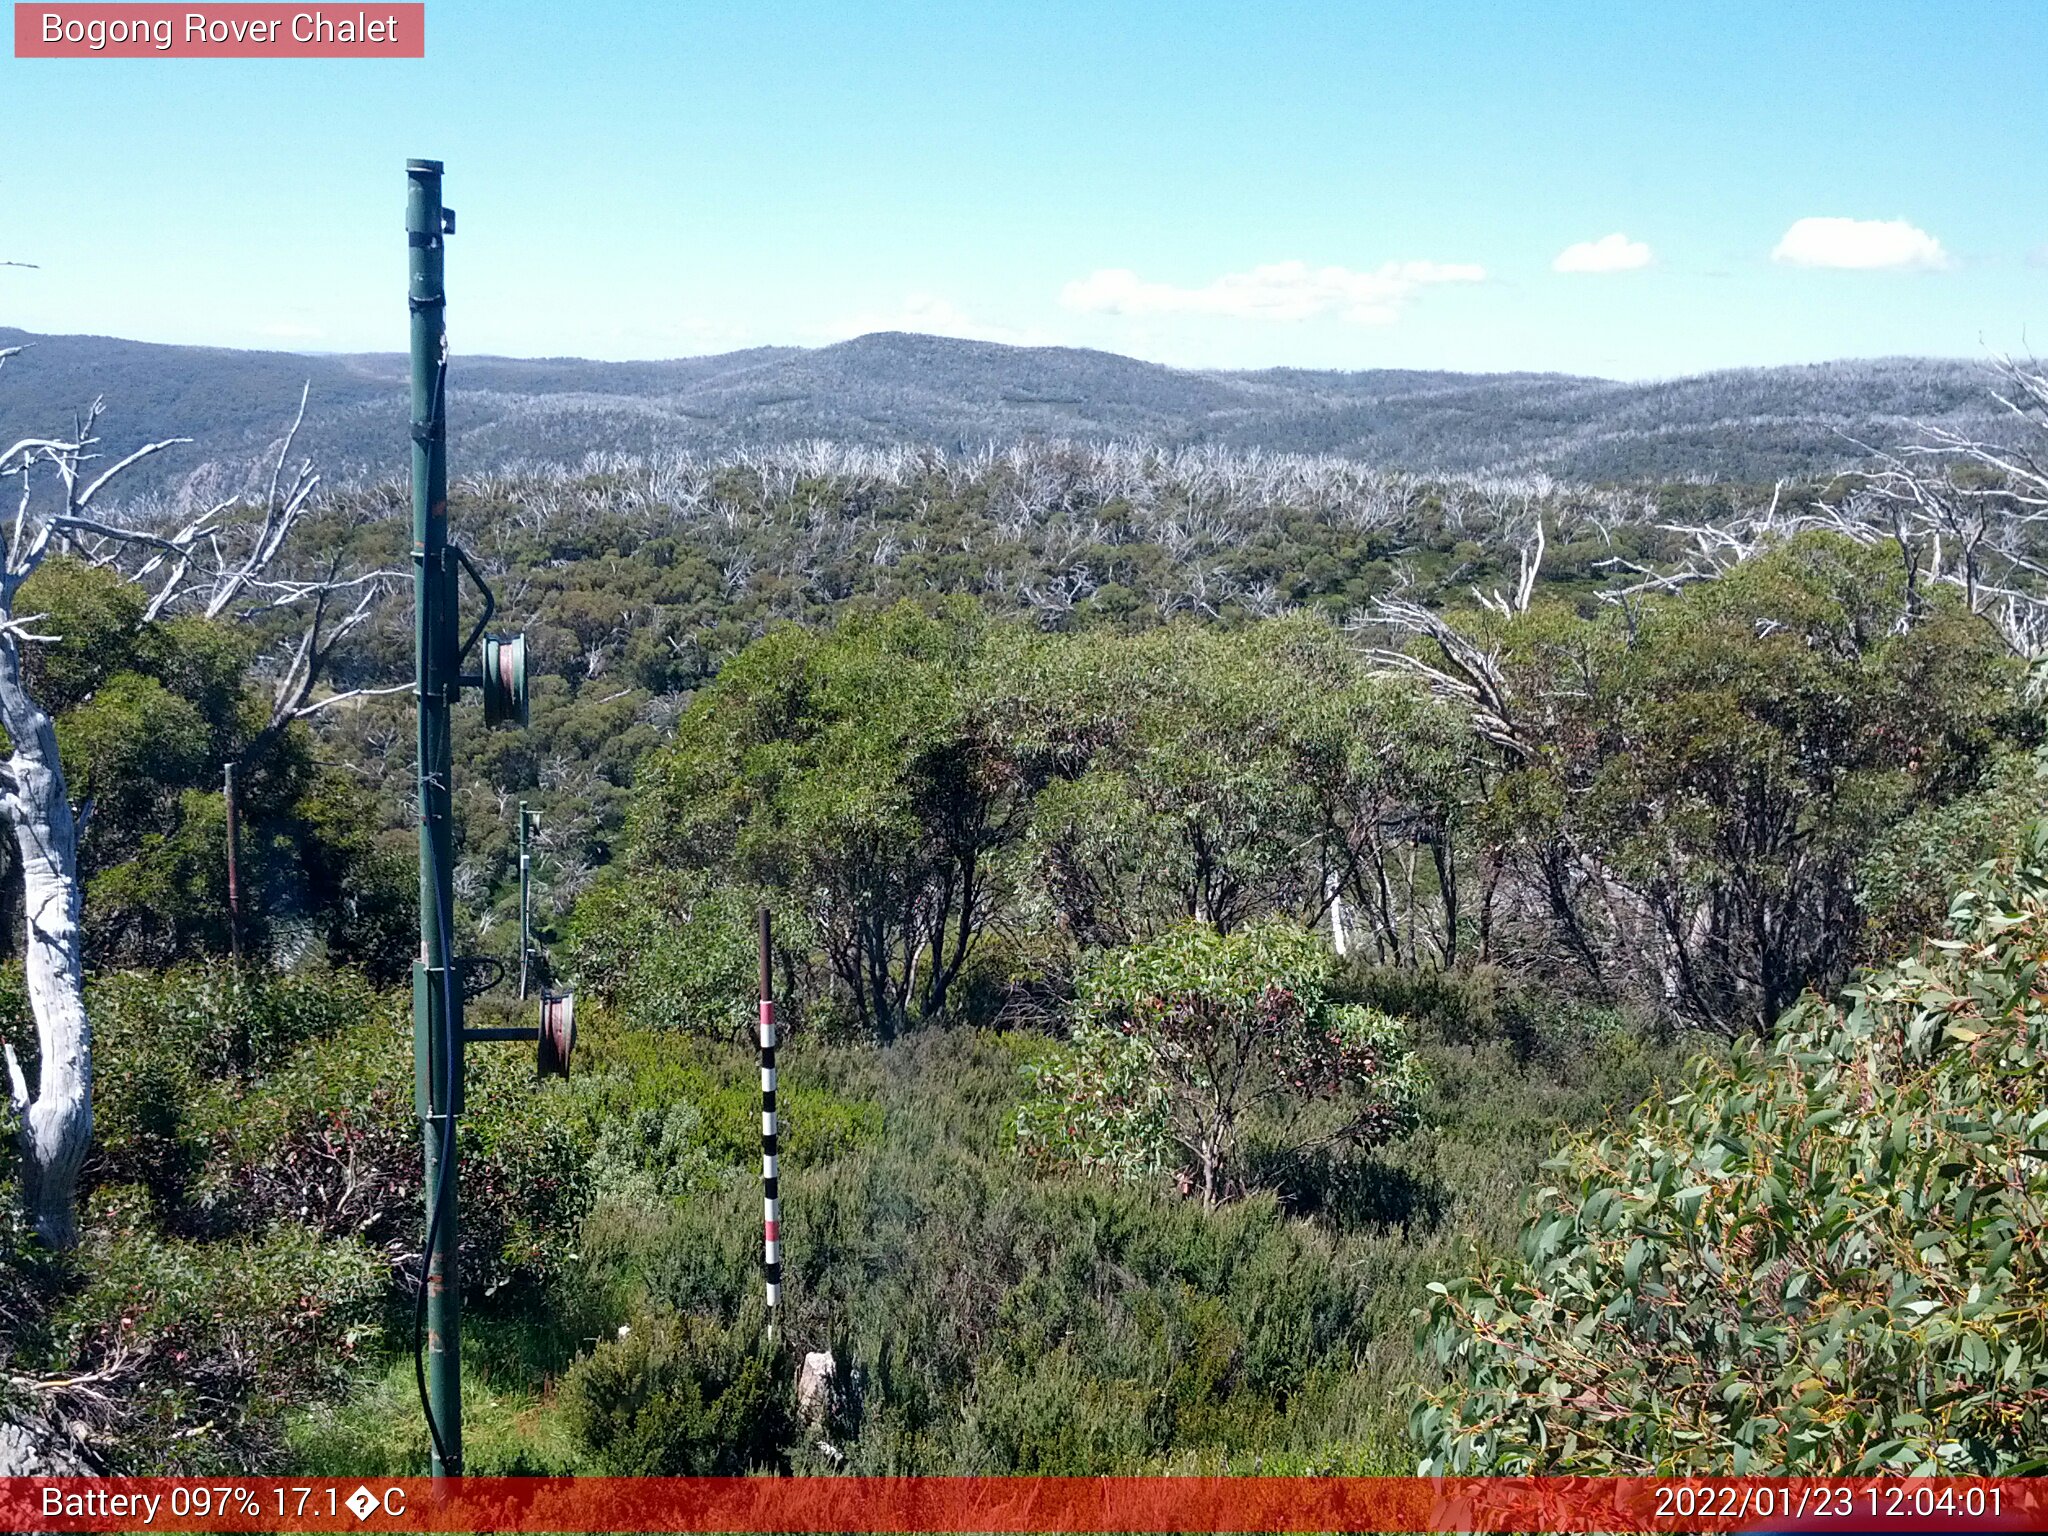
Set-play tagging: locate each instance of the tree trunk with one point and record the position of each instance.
(1445, 855)
(57, 1118)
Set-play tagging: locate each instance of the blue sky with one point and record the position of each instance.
(1220, 185)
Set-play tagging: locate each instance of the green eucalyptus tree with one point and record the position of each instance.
(874, 779)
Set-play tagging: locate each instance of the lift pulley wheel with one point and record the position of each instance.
(504, 680)
(557, 1032)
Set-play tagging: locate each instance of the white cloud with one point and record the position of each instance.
(1285, 290)
(1610, 253)
(285, 330)
(1862, 244)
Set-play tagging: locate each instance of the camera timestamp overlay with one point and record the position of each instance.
(237, 31)
(1021, 1504)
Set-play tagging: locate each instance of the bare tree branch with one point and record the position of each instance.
(354, 693)
(84, 499)
(56, 1115)
(1465, 672)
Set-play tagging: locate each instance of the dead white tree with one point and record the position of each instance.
(1530, 558)
(58, 484)
(1714, 550)
(225, 563)
(1056, 600)
(1968, 514)
(1455, 667)
(56, 1117)
(1960, 512)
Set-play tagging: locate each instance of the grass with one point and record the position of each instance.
(510, 1423)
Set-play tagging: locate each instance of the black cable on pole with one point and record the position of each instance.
(444, 1165)
(441, 1174)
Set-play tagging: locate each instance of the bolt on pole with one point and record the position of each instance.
(437, 998)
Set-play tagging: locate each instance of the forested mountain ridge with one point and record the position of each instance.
(893, 388)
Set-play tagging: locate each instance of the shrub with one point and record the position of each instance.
(1477, 1004)
(171, 1044)
(682, 1396)
(664, 963)
(1095, 1105)
(651, 1153)
(329, 1138)
(526, 1169)
(224, 1020)
(666, 1100)
(1825, 1256)
(1180, 1042)
(1904, 882)
(207, 1344)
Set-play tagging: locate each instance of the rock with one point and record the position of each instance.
(816, 1382)
(30, 1449)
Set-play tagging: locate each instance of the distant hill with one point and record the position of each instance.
(1746, 424)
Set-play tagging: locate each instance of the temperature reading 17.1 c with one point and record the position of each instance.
(302, 1502)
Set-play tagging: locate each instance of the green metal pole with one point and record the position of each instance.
(437, 1003)
(525, 922)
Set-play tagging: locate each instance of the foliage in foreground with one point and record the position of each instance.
(991, 1318)
(988, 1321)
(1825, 1256)
(254, 1209)
(202, 1343)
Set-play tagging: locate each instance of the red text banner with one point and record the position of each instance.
(1026, 1504)
(262, 31)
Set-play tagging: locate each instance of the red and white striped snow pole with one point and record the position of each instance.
(771, 1203)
